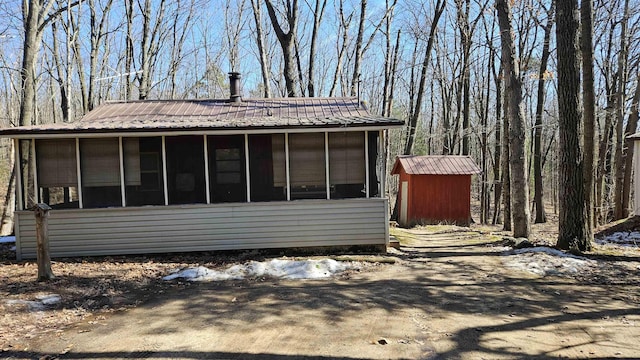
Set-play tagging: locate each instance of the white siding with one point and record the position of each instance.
(162, 229)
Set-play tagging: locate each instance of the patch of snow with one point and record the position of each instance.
(545, 261)
(279, 268)
(49, 299)
(37, 305)
(548, 251)
(621, 238)
(7, 239)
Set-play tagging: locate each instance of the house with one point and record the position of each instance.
(434, 189)
(199, 175)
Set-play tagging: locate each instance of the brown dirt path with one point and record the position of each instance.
(447, 297)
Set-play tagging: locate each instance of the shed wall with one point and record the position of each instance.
(436, 198)
(116, 231)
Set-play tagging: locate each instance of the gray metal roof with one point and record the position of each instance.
(202, 115)
(436, 165)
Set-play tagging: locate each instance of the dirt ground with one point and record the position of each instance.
(445, 294)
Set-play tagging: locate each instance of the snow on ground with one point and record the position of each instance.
(41, 302)
(545, 261)
(7, 239)
(631, 239)
(280, 268)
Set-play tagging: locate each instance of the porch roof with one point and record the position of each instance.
(212, 115)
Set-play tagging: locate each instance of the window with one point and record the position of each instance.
(227, 174)
(100, 172)
(143, 171)
(267, 167)
(57, 173)
(307, 166)
(185, 169)
(347, 165)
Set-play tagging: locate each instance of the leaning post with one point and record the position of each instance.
(43, 259)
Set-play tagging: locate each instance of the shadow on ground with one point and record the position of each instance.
(444, 281)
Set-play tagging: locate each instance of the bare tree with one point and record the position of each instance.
(417, 108)
(517, 158)
(538, 199)
(589, 101)
(573, 230)
(287, 41)
(318, 13)
(264, 67)
(152, 36)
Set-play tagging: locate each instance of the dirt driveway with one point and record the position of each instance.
(448, 296)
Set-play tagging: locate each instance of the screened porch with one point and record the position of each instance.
(162, 170)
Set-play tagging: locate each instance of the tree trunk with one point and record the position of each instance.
(257, 17)
(317, 18)
(286, 42)
(517, 158)
(42, 241)
(497, 155)
(357, 61)
(588, 97)
(415, 112)
(573, 230)
(620, 106)
(506, 170)
(538, 199)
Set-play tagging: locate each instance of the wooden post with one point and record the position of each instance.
(42, 240)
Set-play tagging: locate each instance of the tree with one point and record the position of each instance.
(264, 67)
(417, 108)
(589, 102)
(541, 216)
(573, 230)
(517, 158)
(287, 41)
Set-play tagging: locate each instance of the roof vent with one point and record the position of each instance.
(234, 87)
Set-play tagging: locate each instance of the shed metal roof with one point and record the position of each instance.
(202, 115)
(436, 165)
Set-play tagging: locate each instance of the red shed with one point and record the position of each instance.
(434, 189)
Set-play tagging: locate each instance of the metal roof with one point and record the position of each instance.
(202, 115)
(436, 165)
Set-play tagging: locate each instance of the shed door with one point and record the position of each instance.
(404, 200)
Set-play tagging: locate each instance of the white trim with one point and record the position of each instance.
(18, 170)
(326, 164)
(68, 133)
(286, 162)
(206, 169)
(164, 171)
(122, 184)
(80, 204)
(366, 163)
(34, 168)
(246, 166)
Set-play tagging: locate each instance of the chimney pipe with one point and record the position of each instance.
(234, 87)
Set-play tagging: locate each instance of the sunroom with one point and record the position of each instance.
(200, 175)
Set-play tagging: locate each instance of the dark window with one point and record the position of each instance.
(185, 169)
(267, 167)
(143, 171)
(227, 175)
